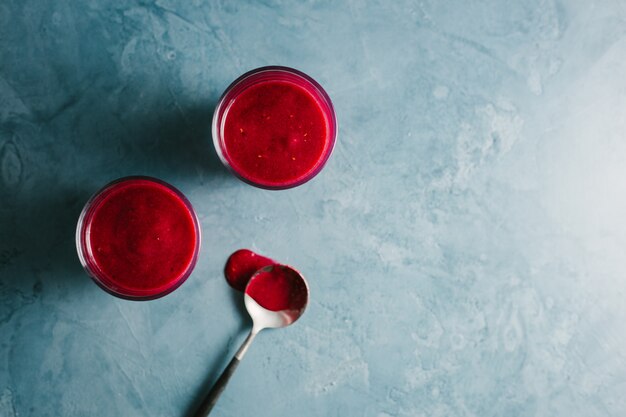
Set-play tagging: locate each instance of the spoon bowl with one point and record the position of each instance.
(276, 296)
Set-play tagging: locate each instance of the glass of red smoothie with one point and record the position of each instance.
(138, 238)
(274, 128)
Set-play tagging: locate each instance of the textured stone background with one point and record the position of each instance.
(465, 245)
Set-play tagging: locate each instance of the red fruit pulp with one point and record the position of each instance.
(141, 238)
(273, 286)
(241, 265)
(278, 288)
(275, 127)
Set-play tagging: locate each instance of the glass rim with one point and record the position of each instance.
(89, 265)
(230, 93)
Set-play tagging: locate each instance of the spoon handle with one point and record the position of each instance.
(211, 398)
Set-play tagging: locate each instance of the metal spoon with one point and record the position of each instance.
(262, 318)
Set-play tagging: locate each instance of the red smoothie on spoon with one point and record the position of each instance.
(138, 238)
(278, 288)
(274, 127)
(273, 286)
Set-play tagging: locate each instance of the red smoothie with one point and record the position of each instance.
(138, 238)
(278, 288)
(273, 286)
(275, 128)
(241, 265)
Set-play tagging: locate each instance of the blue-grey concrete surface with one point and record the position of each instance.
(465, 245)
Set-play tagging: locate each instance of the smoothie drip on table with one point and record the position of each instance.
(274, 286)
(241, 265)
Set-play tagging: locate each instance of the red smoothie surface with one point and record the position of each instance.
(276, 133)
(241, 265)
(273, 286)
(278, 288)
(142, 237)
